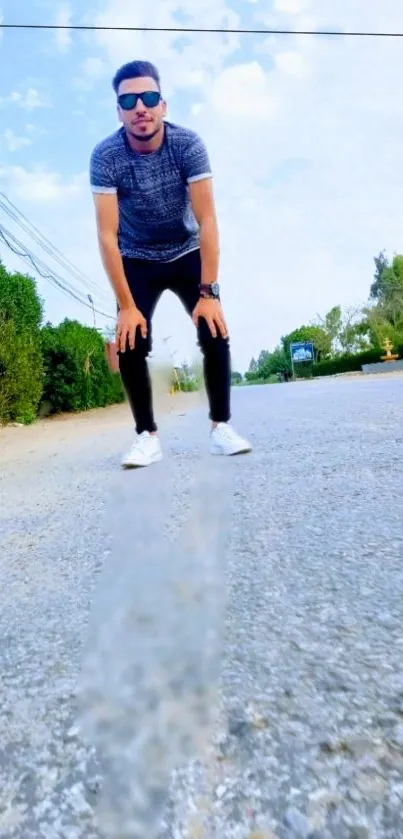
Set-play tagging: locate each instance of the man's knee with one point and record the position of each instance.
(141, 350)
(208, 344)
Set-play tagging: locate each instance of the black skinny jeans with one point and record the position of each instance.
(147, 281)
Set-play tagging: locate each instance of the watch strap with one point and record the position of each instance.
(210, 291)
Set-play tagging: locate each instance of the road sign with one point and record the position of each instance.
(303, 351)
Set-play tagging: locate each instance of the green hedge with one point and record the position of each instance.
(254, 379)
(350, 363)
(49, 369)
(77, 374)
(21, 367)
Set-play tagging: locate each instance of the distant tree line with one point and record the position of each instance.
(343, 339)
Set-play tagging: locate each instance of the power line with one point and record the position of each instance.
(19, 217)
(28, 227)
(334, 33)
(44, 271)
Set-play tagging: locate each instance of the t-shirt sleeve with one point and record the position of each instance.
(102, 175)
(196, 163)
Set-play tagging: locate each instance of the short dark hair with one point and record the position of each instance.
(136, 70)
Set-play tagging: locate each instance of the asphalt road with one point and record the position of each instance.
(306, 635)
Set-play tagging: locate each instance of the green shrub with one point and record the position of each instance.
(303, 370)
(255, 379)
(77, 374)
(189, 385)
(21, 368)
(186, 379)
(349, 363)
(236, 378)
(116, 393)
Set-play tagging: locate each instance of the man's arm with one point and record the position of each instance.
(129, 317)
(107, 216)
(202, 200)
(201, 193)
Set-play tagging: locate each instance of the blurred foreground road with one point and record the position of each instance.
(310, 738)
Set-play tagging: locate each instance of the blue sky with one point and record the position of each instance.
(304, 136)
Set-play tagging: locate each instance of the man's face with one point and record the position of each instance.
(142, 119)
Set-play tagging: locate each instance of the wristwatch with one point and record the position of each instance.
(210, 292)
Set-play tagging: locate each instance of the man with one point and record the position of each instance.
(157, 230)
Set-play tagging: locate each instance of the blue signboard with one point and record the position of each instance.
(303, 351)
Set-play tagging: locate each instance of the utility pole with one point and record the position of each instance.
(93, 309)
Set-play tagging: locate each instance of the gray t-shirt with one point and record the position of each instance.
(156, 220)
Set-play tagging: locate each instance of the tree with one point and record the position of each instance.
(21, 368)
(344, 328)
(380, 328)
(381, 264)
(353, 336)
(277, 362)
(387, 287)
(236, 378)
(77, 375)
(253, 366)
(385, 318)
(317, 334)
(264, 355)
(270, 364)
(332, 324)
(19, 301)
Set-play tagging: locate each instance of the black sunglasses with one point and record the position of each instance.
(150, 99)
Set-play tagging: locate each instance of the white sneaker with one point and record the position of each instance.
(225, 441)
(145, 450)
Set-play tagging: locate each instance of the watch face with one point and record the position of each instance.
(215, 289)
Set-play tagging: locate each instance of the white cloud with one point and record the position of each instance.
(94, 68)
(12, 142)
(344, 15)
(184, 61)
(293, 63)
(242, 92)
(35, 132)
(30, 100)
(291, 7)
(310, 196)
(63, 36)
(39, 185)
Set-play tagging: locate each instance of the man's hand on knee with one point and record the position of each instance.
(128, 321)
(211, 311)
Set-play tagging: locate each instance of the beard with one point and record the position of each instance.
(145, 138)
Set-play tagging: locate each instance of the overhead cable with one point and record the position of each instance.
(45, 272)
(184, 30)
